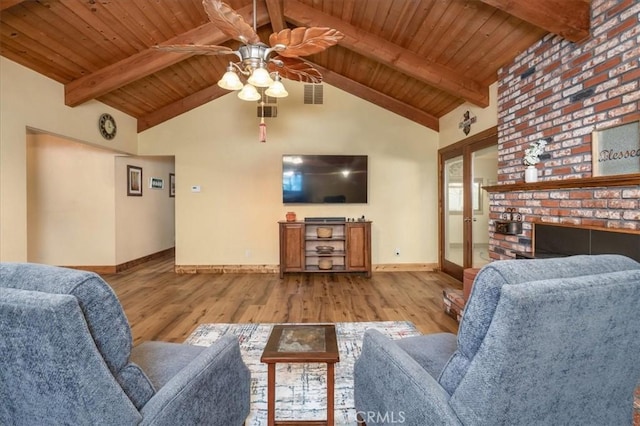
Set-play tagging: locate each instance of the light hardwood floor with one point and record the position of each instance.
(163, 305)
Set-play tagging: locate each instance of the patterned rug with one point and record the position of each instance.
(304, 385)
(300, 385)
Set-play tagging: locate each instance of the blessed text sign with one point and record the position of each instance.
(616, 151)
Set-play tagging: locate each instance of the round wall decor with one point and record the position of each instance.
(107, 126)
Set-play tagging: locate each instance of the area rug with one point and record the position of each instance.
(300, 388)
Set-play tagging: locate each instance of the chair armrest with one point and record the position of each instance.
(391, 386)
(212, 389)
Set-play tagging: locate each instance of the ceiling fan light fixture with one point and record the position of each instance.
(277, 90)
(249, 93)
(260, 77)
(230, 80)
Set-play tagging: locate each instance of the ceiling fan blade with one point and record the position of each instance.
(229, 21)
(303, 41)
(200, 49)
(295, 69)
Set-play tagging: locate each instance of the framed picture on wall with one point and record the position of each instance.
(156, 183)
(616, 150)
(172, 185)
(134, 181)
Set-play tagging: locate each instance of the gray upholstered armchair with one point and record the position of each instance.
(66, 357)
(542, 342)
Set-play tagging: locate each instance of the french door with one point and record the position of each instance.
(464, 168)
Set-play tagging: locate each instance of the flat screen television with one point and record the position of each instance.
(324, 179)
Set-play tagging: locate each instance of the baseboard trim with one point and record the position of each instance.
(227, 269)
(274, 269)
(406, 267)
(98, 269)
(114, 269)
(135, 262)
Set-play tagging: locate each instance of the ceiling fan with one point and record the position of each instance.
(258, 61)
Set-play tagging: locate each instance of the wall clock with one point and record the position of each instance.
(107, 126)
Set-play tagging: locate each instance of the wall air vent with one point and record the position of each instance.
(267, 111)
(313, 94)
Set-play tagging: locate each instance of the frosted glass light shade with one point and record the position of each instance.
(249, 93)
(230, 81)
(277, 90)
(260, 78)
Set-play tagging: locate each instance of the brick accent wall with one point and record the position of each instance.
(564, 91)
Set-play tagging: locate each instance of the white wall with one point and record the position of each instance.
(29, 100)
(233, 220)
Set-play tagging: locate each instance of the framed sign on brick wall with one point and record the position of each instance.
(616, 150)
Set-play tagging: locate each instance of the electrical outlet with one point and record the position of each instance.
(397, 252)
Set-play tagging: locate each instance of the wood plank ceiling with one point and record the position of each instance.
(417, 58)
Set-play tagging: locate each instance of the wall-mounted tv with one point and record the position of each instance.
(324, 179)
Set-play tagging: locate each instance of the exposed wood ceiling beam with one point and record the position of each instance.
(380, 99)
(567, 18)
(391, 55)
(6, 4)
(275, 15)
(183, 105)
(147, 62)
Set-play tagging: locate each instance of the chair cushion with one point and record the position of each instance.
(485, 295)
(163, 360)
(103, 313)
(431, 351)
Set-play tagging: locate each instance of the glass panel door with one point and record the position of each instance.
(484, 171)
(465, 167)
(453, 217)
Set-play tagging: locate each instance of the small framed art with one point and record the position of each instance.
(134, 181)
(156, 183)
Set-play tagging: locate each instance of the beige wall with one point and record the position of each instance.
(233, 220)
(78, 210)
(29, 100)
(450, 132)
(144, 225)
(70, 207)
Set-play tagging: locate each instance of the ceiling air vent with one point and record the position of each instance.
(313, 94)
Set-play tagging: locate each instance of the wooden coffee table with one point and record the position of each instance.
(291, 343)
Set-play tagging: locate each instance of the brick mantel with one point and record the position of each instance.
(593, 182)
(565, 91)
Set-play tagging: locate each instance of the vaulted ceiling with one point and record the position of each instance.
(417, 58)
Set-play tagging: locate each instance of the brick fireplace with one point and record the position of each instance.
(564, 91)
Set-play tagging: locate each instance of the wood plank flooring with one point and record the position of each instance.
(163, 305)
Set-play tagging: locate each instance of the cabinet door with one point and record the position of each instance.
(358, 247)
(291, 247)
